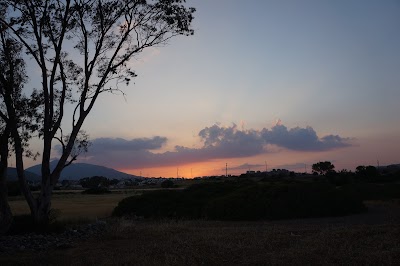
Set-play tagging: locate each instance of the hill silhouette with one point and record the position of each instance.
(12, 175)
(77, 171)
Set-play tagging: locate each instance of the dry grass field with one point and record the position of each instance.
(371, 238)
(73, 205)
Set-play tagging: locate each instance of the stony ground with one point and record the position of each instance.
(371, 238)
(12, 244)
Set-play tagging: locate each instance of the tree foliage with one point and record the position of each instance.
(16, 112)
(97, 181)
(323, 167)
(367, 172)
(82, 49)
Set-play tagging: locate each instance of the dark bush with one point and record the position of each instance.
(153, 204)
(97, 191)
(373, 191)
(315, 200)
(247, 203)
(188, 203)
(13, 188)
(244, 201)
(387, 178)
(23, 224)
(197, 196)
(208, 190)
(284, 201)
(341, 179)
(37, 187)
(95, 181)
(167, 183)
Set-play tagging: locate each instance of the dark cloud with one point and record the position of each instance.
(229, 142)
(247, 166)
(293, 166)
(302, 139)
(119, 144)
(218, 143)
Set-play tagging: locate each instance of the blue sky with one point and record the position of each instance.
(312, 68)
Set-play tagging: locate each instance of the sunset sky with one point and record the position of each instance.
(285, 83)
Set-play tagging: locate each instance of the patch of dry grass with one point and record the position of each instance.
(77, 206)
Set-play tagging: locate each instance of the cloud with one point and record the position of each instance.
(119, 144)
(293, 166)
(302, 139)
(219, 142)
(229, 142)
(247, 166)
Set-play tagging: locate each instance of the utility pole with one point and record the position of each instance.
(177, 172)
(226, 170)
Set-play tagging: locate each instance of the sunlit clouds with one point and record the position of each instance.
(217, 142)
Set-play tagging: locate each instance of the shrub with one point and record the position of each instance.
(153, 204)
(373, 191)
(197, 196)
(341, 179)
(95, 181)
(167, 183)
(23, 224)
(242, 204)
(13, 188)
(96, 191)
(244, 201)
(284, 201)
(317, 199)
(188, 203)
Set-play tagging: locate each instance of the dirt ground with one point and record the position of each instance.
(371, 238)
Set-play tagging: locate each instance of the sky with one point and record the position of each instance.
(262, 84)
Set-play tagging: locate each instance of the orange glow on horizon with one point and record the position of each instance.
(213, 168)
(186, 171)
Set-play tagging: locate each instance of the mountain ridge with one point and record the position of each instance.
(13, 176)
(77, 171)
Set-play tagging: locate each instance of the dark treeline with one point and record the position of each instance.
(269, 195)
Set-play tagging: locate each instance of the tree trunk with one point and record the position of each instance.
(41, 214)
(43, 203)
(5, 211)
(19, 163)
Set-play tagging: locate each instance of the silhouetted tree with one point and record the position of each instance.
(341, 178)
(107, 34)
(360, 169)
(367, 172)
(17, 114)
(5, 211)
(323, 168)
